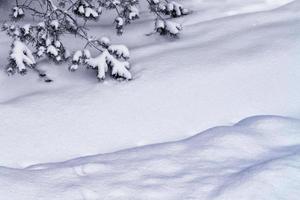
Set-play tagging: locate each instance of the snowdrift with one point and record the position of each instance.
(231, 62)
(257, 158)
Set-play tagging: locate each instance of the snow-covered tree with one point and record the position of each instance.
(58, 17)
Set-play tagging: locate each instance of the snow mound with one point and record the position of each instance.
(258, 158)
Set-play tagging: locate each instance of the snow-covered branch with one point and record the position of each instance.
(59, 17)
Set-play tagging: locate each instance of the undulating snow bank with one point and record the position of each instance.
(257, 158)
(223, 68)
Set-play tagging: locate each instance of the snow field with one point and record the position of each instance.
(234, 59)
(257, 158)
(218, 72)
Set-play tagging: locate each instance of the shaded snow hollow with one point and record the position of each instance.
(257, 158)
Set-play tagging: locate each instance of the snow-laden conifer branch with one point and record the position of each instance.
(20, 58)
(113, 59)
(59, 17)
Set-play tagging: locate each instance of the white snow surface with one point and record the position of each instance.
(257, 158)
(234, 59)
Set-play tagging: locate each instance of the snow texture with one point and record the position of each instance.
(221, 69)
(233, 60)
(258, 158)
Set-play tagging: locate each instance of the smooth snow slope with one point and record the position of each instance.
(228, 64)
(258, 158)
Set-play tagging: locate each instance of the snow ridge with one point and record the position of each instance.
(261, 153)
